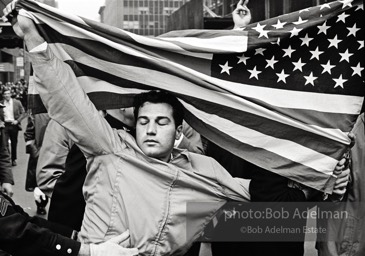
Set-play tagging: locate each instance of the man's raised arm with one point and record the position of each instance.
(23, 27)
(61, 93)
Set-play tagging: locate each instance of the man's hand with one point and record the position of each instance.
(7, 188)
(241, 15)
(112, 247)
(341, 183)
(23, 26)
(39, 195)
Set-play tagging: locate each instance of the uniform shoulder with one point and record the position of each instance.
(5, 205)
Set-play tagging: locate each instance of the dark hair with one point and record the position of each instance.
(5, 90)
(160, 97)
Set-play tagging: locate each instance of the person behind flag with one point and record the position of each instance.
(345, 237)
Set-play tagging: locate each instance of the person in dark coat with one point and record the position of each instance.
(22, 235)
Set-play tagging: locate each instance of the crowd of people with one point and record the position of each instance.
(118, 179)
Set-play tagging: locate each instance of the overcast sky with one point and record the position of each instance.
(85, 8)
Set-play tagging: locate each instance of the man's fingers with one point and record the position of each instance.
(339, 191)
(342, 161)
(246, 2)
(240, 3)
(342, 179)
(341, 183)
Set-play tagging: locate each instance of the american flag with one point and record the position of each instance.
(282, 93)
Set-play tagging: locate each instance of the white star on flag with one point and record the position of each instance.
(282, 76)
(316, 53)
(327, 67)
(334, 42)
(346, 56)
(254, 73)
(260, 29)
(323, 29)
(310, 79)
(346, 3)
(306, 40)
(325, 6)
(300, 21)
(260, 51)
(361, 44)
(353, 30)
(295, 32)
(271, 63)
(357, 70)
(279, 25)
(340, 81)
(225, 68)
(242, 59)
(299, 65)
(288, 51)
(342, 17)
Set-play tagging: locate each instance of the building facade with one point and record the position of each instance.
(143, 17)
(261, 9)
(217, 14)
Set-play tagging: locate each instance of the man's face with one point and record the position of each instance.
(155, 130)
(7, 95)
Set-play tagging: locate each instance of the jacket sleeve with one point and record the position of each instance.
(21, 235)
(52, 157)
(233, 188)
(68, 104)
(22, 113)
(191, 140)
(29, 133)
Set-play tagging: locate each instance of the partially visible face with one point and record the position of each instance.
(7, 95)
(156, 131)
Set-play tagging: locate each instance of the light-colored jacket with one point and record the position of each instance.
(124, 188)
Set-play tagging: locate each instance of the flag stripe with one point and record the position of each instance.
(268, 127)
(293, 170)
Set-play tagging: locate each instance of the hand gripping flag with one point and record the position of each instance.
(282, 93)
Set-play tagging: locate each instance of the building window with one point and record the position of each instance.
(151, 24)
(143, 10)
(130, 24)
